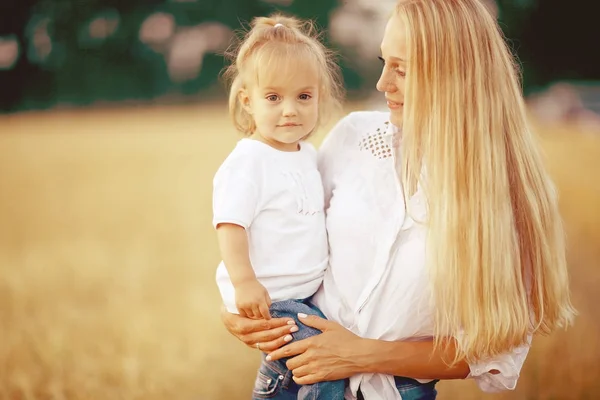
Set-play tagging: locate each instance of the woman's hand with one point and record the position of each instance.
(265, 335)
(332, 355)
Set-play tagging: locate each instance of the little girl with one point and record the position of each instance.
(268, 195)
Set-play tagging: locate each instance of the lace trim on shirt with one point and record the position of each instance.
(376, 143)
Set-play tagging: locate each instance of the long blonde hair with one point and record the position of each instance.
(496, 248)
(271, 42)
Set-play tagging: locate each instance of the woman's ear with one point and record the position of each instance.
(244, 99)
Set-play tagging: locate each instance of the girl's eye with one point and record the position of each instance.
(273, 97)
(305, 96)
(381, 59)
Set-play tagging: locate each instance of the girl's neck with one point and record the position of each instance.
(286, 147)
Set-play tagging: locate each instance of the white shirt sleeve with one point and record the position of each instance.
(329, 155)
(235, 196)
(508, 364)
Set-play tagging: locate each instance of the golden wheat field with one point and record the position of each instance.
(107, 258)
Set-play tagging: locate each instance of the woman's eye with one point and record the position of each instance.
(398, 71)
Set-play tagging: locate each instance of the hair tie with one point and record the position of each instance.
(277, 25)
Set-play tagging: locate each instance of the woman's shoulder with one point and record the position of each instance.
(354, 126)
(367, 119)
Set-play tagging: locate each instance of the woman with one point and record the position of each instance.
(446, 246)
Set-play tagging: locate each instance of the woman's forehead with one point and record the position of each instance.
(395, 39)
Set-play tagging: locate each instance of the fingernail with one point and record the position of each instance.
(291, 322)
(268, 358)
(287, 338)
(294, 329)
(302, 315)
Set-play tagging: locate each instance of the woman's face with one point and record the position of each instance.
(393, 56)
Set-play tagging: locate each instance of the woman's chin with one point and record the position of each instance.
(396, 118)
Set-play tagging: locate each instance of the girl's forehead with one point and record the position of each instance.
(287, 72)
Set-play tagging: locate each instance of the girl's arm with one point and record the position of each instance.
(233, 243)
(252, 299)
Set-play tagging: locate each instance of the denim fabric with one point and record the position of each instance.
(411, 389)
(274, 380)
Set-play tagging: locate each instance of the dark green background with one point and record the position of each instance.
(553, 39)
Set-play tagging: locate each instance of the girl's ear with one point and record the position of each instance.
(244, 99)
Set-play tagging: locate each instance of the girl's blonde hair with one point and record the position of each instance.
(272, 40)
(496, 247)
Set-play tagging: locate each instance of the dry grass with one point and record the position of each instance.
(107, 259)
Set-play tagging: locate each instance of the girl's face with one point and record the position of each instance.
(284, 105)
(394, 58)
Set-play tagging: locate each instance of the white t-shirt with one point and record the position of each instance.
(277, 197)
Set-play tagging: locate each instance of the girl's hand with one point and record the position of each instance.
(334, 354)
(265, 335)
(252, 300)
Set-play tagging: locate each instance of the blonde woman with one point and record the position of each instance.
(446, 245)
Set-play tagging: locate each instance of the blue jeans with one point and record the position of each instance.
(411, 389)
(274, 380)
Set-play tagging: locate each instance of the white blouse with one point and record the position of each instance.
(376, 284)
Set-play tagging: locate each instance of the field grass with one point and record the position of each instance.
(107, 258)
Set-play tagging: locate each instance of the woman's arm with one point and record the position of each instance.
(338, 353)
(417, 360)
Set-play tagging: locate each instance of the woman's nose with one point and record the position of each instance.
(385, 84)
